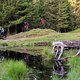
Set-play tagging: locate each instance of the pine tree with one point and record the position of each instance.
(7, 9)
(63, 16)
(50, 10)
(38, 13)
(77, 13)
(27, 10)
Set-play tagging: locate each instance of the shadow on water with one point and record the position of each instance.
(39, 71)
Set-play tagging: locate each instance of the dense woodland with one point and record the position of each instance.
(59, 14)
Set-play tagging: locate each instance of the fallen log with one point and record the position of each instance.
(72, 44)
(68, 43)
(42, 44)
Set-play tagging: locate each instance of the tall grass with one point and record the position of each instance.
(14, 70)
(57, 78)
(74, 73)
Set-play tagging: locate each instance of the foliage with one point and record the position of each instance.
(74, 69)
(57, 78)
(57, 13)
(77, 13)
(7, 9)
(63, 16)
(13, 70)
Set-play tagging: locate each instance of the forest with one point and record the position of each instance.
(39, 39)
(60, 15)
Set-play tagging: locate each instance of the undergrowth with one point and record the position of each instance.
(13, 70)
(74, 73)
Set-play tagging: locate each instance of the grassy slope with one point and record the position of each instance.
(40, 35)
(76, 31)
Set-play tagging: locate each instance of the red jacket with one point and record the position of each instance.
(42, 22)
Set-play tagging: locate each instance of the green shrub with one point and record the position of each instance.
(57, 78)
(74, 73)
(14, 70)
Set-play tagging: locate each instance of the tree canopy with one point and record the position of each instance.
(59, 14)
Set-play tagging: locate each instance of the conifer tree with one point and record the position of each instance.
(77, 13)
(50, 10)
(63, 16)
(57, 13)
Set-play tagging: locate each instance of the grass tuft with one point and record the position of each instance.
(74, 73)
(14, 70)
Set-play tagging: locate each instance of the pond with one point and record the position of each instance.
(39, 71)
